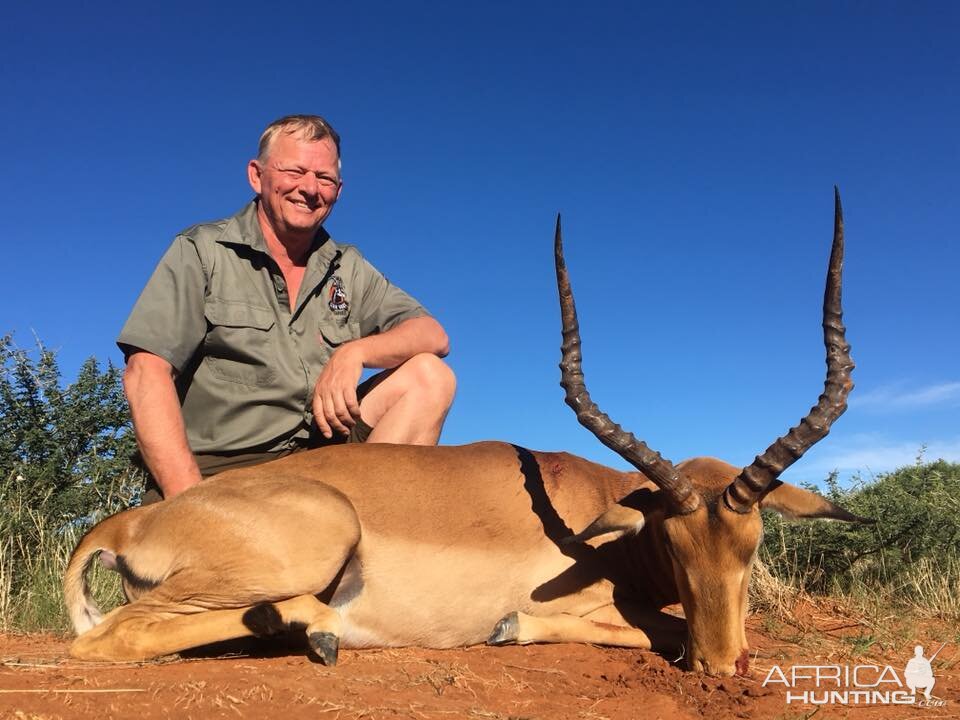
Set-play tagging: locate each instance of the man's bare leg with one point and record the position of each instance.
(411, 402)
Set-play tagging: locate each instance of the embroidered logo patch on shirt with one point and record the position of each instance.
(338, 296)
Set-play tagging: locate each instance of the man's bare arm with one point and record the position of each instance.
(158, 422)
(335, 405)
(399, 344)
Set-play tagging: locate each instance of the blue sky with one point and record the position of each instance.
(691, 150)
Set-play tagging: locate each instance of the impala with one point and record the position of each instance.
(390, 545)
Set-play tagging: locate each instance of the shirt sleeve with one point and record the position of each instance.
(382, 304)
(167, 319)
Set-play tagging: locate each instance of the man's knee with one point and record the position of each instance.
(432, 377)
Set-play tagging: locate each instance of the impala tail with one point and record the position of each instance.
(105, 538)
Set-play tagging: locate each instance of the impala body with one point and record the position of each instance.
(388, 545)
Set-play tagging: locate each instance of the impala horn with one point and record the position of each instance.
(753, 481)
(679, 489)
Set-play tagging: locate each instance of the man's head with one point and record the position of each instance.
(297, 175)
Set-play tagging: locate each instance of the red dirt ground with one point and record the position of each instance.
(39, 682)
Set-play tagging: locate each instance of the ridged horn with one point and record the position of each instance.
(753, 481)
(671, 481)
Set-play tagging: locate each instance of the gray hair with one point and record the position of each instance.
(313, 128)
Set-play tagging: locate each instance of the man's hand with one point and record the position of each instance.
(335, 405)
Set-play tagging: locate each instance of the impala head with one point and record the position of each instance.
(707, 513)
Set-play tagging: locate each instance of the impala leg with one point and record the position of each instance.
(520, 628)
(322, 623)
(144, 629)
(667, 633)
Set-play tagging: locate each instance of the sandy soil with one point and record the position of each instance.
(272, 679)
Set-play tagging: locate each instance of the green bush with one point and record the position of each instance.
(911, 554)
(67, 447)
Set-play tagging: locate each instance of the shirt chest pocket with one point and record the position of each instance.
(334, 334)
(238, 346)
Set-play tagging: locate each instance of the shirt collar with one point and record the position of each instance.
(244, 229)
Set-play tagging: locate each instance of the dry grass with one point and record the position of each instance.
(867, 615)
(770, 594)
(33, 558)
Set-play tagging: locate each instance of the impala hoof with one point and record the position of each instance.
(325, 646)
(506, 631)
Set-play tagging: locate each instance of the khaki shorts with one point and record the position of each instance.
(211, 464)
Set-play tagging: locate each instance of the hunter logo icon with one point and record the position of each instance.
(338, 297)
(918, 674)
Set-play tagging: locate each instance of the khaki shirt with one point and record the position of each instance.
(216, 308)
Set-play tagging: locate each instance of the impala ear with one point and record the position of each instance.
(795, 503)
(627, 515)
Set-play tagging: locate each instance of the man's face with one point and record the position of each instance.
(298, 184)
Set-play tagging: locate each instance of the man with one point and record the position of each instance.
(918, 674)
(249, 340)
